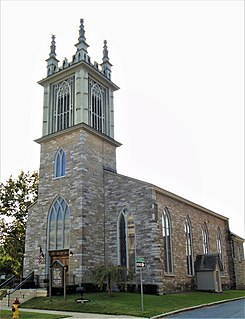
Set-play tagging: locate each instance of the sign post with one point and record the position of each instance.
(140, 263)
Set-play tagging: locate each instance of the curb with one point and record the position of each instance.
(194, 307)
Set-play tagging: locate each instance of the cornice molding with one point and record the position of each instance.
(76, 128)
(71, 69)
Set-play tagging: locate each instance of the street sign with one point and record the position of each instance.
(140, 260)
(140, 264)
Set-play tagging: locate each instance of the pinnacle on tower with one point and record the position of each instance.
(105, 52)
(52, 47)
(82, 45)
(52, 62)
(106, 65)
(81, 32)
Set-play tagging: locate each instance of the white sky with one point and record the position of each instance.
(180, 110)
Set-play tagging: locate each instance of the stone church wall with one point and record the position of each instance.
(83, 189)
(146, 203)
(178, 211)
(138, 197)
(239, 262)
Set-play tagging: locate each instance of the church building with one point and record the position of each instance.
(87, 214)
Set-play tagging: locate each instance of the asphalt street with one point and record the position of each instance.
(232, 309)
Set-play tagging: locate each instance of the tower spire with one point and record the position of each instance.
(52, 47)
(81, 31)
(52, 62)
(82, 46)
(105, 52)
(106, 65)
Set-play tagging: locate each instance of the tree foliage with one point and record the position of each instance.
(16, 195)
(111, 275)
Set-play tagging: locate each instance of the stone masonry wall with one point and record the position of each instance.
(139, 199)
(178, 211)
(82, 188)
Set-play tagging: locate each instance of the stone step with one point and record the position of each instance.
(23, 295)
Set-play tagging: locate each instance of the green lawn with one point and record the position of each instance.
(130, 303)
(7, 314)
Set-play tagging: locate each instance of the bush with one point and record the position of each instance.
(149, 289)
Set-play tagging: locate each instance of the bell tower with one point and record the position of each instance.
(78, 91)
(77, 149)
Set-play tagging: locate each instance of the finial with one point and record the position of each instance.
(81, 32)
(52, 47)
(105, 52)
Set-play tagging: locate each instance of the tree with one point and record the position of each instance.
(111, 275)
(15, 198)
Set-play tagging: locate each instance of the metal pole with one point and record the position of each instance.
(50, 279)
(141, 290)
(64, 270)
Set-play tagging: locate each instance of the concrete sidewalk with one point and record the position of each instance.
(76, 315)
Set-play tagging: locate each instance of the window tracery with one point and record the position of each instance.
(63, 105)
(97, 106)
(59, 225)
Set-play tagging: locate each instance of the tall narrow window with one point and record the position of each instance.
(126, 240)
(205, 239)
(167, 242)
(219, 246)
(122, 241)
(97, 106)
(189, 248)
(63, 105)
(60, 163)
(59, 225)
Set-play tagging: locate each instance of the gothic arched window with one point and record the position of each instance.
(97, 106)
(205, 239)
(59, 225)
(189, 247)
(60, 163)
(167, 242)
(63, 103)
(219, 246)
(126, 240)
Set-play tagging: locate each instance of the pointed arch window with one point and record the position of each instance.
(59, 225)
(63, 105)
(126, 240)
(167, 242)
(60, 163)
(97, 106)
(189, 247)
(205, 239)
(219, 246)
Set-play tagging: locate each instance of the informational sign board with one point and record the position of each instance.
(57, 277)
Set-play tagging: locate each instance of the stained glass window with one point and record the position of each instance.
(59, 225)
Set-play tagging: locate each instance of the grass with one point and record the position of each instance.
(130, 303)
(7, 314)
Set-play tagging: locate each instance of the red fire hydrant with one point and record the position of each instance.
(15, 308)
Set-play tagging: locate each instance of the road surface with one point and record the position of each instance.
(231, 309)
